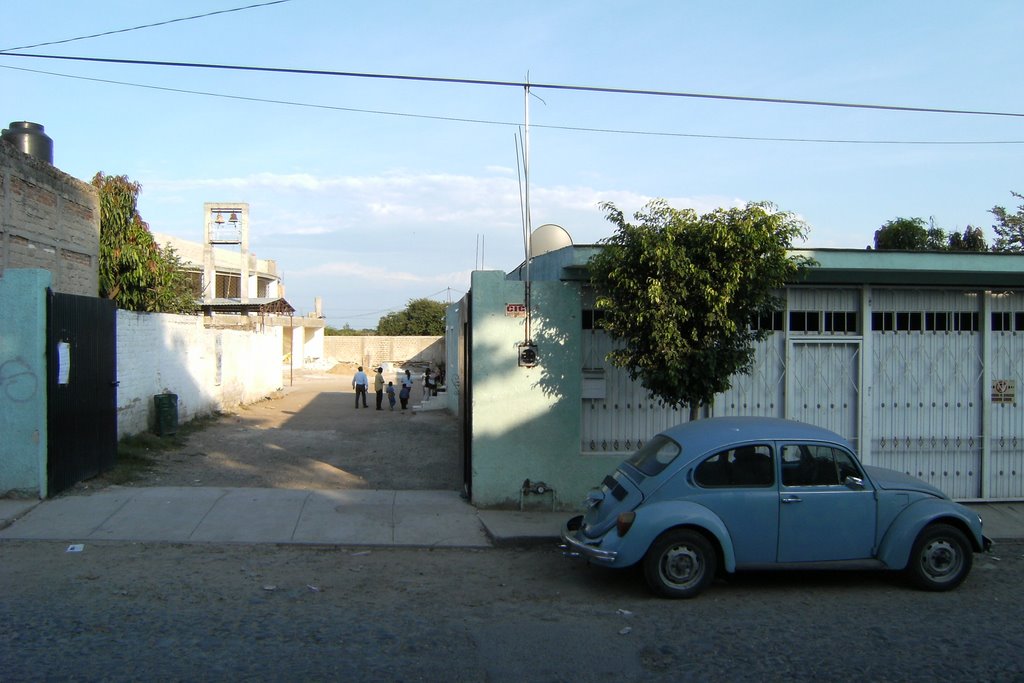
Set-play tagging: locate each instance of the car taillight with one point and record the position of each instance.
(624, 522)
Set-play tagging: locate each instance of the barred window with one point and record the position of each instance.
(771, 322)
(592, 320)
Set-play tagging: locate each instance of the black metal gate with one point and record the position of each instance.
(465, 394)
(81, 379)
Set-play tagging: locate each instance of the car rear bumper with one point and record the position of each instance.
(570, 537)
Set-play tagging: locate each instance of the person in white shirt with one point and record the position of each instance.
(406, 391)
(360, 383)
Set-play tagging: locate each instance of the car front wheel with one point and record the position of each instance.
(680, 564)
(941, 558)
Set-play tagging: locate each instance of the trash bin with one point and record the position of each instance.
(166, 414)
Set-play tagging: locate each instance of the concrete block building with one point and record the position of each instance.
(916, 357)
(48, 220)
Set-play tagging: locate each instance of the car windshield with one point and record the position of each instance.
(655, 455)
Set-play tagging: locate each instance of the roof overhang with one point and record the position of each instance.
(857, 267)
(261, 306)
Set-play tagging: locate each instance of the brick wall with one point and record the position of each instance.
(48, 220)
(370, 351)
(209, 369)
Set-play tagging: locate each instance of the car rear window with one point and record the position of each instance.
(748, 465)
(655, 455)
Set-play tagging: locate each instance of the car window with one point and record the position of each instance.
(825, 473)
(847, 466)
(742, 466)
(655, 455)
(815, 465)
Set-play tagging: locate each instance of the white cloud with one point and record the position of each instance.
(391, 237)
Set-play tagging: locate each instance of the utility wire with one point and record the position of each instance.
(137, 28)
(393, 309)
(490, 122)
(520, 85)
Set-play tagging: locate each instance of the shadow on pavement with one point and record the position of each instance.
(310, 436)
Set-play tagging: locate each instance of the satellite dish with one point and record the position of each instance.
(548, 237)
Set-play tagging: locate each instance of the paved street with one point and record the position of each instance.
(130, 611)
(198, 598)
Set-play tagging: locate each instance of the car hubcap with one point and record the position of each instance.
(681, 566)
(940, 559)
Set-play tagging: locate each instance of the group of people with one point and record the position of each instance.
(361, 383)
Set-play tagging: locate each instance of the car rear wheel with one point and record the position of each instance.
(941, 558)
(680, 564)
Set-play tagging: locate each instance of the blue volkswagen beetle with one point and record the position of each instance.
(735, 493)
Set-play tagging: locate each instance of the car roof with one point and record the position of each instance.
(700, 436)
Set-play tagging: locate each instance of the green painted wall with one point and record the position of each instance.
(526, 421)
(23, 382)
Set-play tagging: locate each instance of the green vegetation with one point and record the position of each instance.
(1009, 228)
(679, 291)
(422, 317)
(347, 331)
(134, 271)
(914, 234)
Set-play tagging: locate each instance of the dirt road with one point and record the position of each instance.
(309, 436)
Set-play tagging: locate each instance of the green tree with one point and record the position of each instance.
(347, 331)
(905, 234)
(937, 240)
(972, 239)
(1009, 228)
(679, 291)
(420, 317)
(134, 271)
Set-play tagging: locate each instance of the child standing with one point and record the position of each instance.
(391, 394)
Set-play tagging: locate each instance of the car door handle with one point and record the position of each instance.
(791, 499)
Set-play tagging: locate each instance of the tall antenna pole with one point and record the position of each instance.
(526, 169)
(526, 179)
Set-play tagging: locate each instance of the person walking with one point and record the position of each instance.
(359, 383)
(391, 395)
(430, 383)
(378, 386)
(426, 383)
(406, 390)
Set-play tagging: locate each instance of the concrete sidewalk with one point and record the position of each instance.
(321, 517)
(277, 516)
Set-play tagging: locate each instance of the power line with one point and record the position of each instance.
(518, 84)
(490, 122)
(392, 309)
(137, 28)
(266, 100)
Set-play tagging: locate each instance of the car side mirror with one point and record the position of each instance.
(855, 483)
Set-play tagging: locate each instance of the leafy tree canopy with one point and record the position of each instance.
(420, 317)
(134, 271)
(914, 234)
(904, 234)
(1009, 228)
(971, 239)
(679, 292)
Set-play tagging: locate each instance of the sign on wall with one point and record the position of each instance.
(1004, 390)
(515, 310)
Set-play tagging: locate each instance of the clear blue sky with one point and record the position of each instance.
(371, 196)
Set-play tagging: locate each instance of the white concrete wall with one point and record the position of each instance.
(209, 369)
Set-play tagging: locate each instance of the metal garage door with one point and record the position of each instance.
(823, 384)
